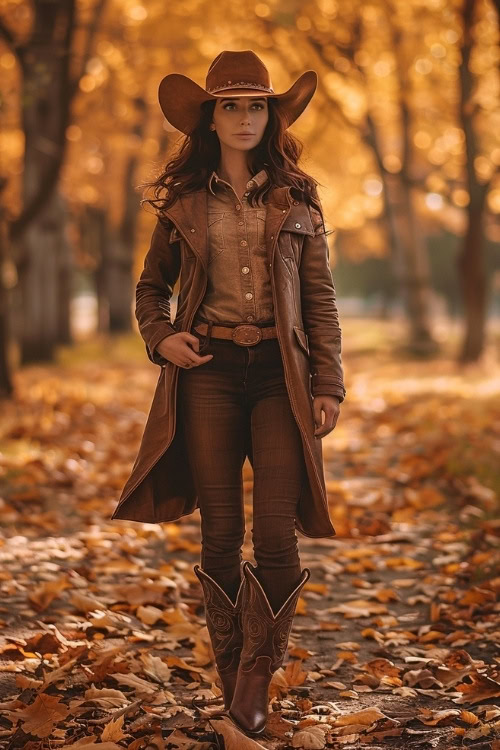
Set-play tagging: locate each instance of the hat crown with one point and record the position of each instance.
(235, 69)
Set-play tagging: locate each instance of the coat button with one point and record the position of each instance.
(295, 203)
(272, 236)
(297, 225)
(192, 230)
(284, 211)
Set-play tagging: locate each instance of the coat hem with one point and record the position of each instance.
(182, 515)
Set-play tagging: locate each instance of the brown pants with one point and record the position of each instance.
(233, 406)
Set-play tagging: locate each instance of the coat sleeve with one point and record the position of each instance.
(154, 290)
(320, 314)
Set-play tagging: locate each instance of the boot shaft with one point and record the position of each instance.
(223, 618)
(264, 632)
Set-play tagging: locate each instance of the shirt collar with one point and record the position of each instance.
(256, 181)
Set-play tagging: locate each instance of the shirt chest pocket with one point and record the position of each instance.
(216, 234)
(261, 227)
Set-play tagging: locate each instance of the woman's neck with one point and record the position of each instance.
(233, 168)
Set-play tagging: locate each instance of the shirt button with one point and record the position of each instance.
(240, 223)
(249, 295)
(238, 207)
(245, 269)
(243, 243)
(192, 230)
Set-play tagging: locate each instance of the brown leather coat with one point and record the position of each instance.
(160, 486)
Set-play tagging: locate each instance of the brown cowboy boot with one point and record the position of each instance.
(265, 640)
(224, 628)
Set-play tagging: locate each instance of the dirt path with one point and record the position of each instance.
(396, 638)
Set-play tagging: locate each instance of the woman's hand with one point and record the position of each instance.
(330, 405)
(178, 348)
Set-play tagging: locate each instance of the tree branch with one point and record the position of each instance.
(92, 29)
(17, 49)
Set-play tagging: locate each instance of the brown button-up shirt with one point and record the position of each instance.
(239, 284)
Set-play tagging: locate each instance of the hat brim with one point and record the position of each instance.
(180, 98)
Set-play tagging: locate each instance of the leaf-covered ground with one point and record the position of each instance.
(396, 638)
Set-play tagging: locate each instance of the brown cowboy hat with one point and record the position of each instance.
(230, 74)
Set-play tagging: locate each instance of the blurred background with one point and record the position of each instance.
(403, 136)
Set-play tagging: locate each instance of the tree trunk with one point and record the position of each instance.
(414, 267)
(472, 274)
(119, 259)
(65, 280)
(38, 270)
(6, 386)
(414, 276)
(94, 234)
(120, 285)
(471, 261)
(49, 83)
(46, 98)
(408, 251)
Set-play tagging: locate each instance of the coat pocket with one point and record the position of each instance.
(301, 337)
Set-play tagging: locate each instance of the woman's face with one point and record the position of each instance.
(244, 114)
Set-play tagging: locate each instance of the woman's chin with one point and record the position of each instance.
(240, 144)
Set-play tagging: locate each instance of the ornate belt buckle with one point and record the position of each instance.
(246, 335)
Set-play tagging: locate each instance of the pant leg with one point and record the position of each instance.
(279, 473)
(214, 424)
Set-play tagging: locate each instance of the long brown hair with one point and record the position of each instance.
(199, 154)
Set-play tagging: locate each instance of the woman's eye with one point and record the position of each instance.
(230, 104)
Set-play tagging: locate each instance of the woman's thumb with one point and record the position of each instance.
(193, 341)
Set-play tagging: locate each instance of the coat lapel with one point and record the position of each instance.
(190, 215)
(283, 214)
(277, 211)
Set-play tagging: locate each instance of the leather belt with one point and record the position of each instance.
(243, 335)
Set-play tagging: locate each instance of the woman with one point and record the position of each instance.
(250, 366)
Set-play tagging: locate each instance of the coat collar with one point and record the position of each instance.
(189, 214)
(257, 180)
